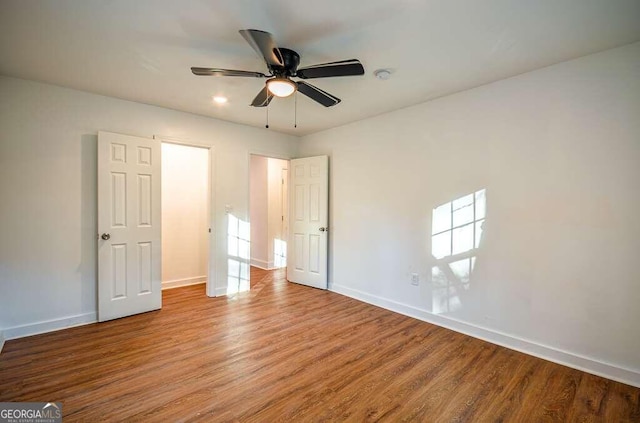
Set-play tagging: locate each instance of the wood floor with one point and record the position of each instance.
(284, 352)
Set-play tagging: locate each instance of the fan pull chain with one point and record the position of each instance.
(295, 110)
(267, 125)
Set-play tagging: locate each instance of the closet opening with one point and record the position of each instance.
(186, 210)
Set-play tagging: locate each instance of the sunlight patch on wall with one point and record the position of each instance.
(238, 250)
(456, 234)
(279, 253)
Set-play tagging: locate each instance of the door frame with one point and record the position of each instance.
(268, 155)
(211, 198)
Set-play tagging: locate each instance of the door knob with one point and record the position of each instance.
(323, 229)
(105, 236)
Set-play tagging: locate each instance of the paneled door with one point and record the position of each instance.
(308, 221)
(129, 257)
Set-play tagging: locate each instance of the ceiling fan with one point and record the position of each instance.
(283, 65)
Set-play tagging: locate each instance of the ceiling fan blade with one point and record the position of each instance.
(263, 43)
(263, 98)
(316, 94)
(326, 70)
(225, 72)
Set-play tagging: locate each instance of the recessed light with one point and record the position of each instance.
(220, 99)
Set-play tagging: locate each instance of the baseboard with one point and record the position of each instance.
(264, 265)
(261, 264)
(49, 325)
(1, 340)
(184, 282)
(565, 358)
(221, 292)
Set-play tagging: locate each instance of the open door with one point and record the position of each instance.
(308, 236)
(129, 256)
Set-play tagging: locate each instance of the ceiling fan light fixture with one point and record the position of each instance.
(281, 87)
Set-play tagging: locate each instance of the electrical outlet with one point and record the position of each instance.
(415, 279)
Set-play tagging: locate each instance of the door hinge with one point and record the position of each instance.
(209, 230)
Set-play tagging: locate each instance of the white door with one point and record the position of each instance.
(129, 258)
(308, 221)
(284, 208)
(284, 198)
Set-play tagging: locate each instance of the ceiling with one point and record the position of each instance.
(142, 50)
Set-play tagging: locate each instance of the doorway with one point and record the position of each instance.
(269, 211)
(186, 199)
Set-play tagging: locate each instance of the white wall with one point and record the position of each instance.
(185, 214)
(48, 190)
(558, 152)
(259, 200)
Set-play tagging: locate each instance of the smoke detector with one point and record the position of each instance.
(382, 74)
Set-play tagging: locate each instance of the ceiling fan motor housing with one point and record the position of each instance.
(291, 60)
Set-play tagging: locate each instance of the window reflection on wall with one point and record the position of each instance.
(456, 232)
(279, 253)
(238, 248)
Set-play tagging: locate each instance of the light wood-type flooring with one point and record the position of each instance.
(285, 352)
